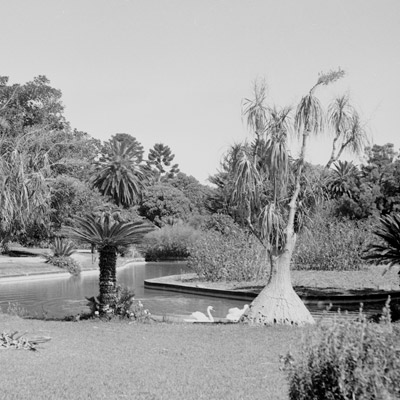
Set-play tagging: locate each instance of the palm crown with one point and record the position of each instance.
(106, 231)
(389, 251)
(120, 174)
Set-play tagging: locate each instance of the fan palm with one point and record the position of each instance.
(107, 233)
(388, 252)
(120, 174)
(342, 180)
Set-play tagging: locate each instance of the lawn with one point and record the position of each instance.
(118, 360)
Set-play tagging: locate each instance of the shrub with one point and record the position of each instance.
(62, 248)
(169, 242)
(333, 244)
(65, 262)
(125, 307)
(236, 256)
(346, 360)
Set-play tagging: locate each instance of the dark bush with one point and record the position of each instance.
(169, 242)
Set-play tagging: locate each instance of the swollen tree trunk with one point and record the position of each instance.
(108, 278)
(278, 303)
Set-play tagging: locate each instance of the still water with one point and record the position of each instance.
(61, 296)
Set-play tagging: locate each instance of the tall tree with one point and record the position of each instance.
(120, 172)
(160, 159)
(31, 104)
(349, 132)
(24, 191)
(107, 233)
(272, 216)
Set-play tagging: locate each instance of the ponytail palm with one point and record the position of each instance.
(349, 134)
(268, 188)
(108, 234)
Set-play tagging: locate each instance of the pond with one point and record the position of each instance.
(61, 296)
(56, 296)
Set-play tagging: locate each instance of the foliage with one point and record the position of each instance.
(120, 172)
(388, 250)
(169, 242)
(332, 244)
(193, 190)
(107, 229)
(236, 256)
(349, 133)
(159, 159)
(369, 190)
(343, 179)
(65, 262)
(63, 248)
(221, 223)
(15, 340)
(126, 307)
(164, 204)
(347, 360)
(31, 104)
(71, 197)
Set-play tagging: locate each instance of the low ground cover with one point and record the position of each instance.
(114, 360)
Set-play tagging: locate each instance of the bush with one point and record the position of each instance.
(236, 256)
(333, 244)
(125, 307)
(169, 242)
(65, 262)
(346, 360)
(62, 248)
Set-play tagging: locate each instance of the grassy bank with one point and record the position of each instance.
(95, 360)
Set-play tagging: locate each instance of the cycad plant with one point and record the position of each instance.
(388, 251)
(108, 234)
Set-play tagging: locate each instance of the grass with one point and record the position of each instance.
(114, 360)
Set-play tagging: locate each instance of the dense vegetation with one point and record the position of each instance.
(53, 175)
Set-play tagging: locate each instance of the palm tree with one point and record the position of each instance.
(271, 217)
(343, 179)
(120, 173)
(349, 133)
(107, 233)
(388, 251)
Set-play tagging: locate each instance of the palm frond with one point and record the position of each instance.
(389, 251)
(309, 116)
(104, 230)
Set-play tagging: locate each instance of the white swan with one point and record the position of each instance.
(198, 316)
(235, 313)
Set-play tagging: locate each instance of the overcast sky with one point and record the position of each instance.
(176, 71)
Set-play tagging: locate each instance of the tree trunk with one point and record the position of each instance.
(108, 278)
(278, 303)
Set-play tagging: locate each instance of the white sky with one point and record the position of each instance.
(176, 71)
